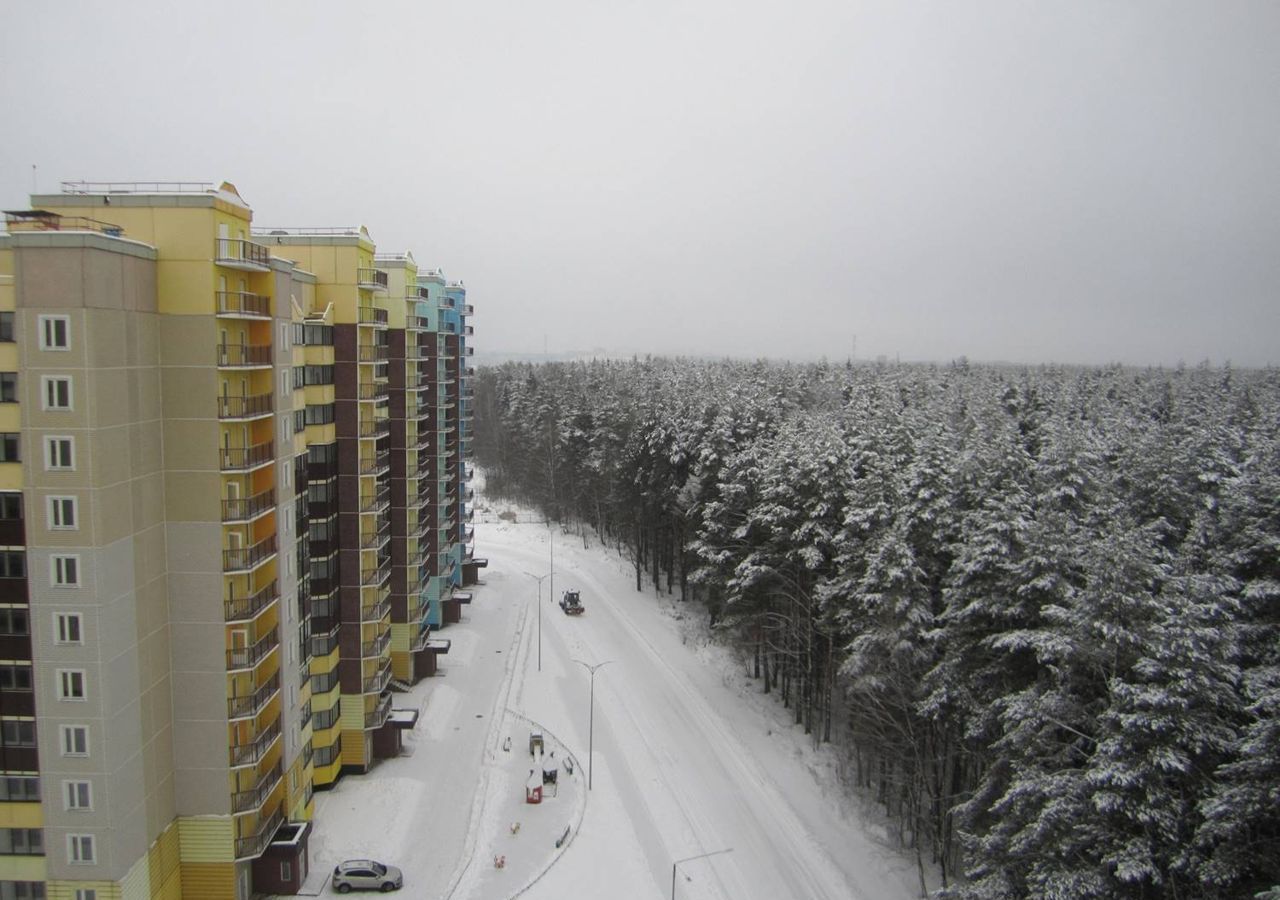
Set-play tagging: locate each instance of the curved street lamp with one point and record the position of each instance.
(691, 859)
(591, 726)
(538, 578)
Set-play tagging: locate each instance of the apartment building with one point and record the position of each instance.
(206, 585)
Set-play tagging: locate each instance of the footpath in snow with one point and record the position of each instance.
(690, 760)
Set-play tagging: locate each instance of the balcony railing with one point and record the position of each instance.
(241, 254)
(379, 575)
(244, 356)
(371, 279)
(375, 647)
(244, 304)
(235, 459)
(380, 502)
(373, 390)
(466, 309)
(248, 508)
(376, 612)
(377, 683)
(381, 711)
(252, 407)
(371, 315)
(252, 846)
(244, 559)
(248, 657)
(248, 754)
(371, 352)
(243, 609)
(249, 706)
(251, 800)
(379, 537)
(373, 465)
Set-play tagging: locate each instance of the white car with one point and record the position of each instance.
(367, 875)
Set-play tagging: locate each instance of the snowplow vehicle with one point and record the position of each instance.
(571, 603)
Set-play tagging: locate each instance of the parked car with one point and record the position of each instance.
(366, 875)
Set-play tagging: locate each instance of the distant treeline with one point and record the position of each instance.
(1038, 610)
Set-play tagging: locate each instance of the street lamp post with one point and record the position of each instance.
(538, 578)
(691, 859)
(591, 721)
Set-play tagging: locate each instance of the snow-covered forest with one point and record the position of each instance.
(1037, 609)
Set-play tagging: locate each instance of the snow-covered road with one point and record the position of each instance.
(690, 765)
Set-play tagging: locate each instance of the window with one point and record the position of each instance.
(71, 684)
(22, 890)
(319, 413)
(21, 842)
(13, 620)
(15, 677)
(286, 872)
(67, 628)
(75, 740)
(13, 563)
(18, 733)
(59, 453)
(10, 506)
(77, 794)
(80, 848)
(64, 571)
(8, 387)
(86, 894)
(6, 327)
(20, 788)
(62, 512)
(9, 447)
(55, 332)
(55, 391)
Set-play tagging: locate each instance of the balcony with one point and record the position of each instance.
(373, 390)
(253, 845)
(376, 647)
(241, 254)
(375, 576)
(241, 658)
(244, 755)
(377, 539)
(381, 711)
(244, 356)
(257, 406)
(379, 503)
(377, 683)
(371, 315)
(376, 612)
(371, 279)
(245, 609)
(243, 459)
(250, 508)
(246, 559)
(375, 464)
(243, 305)
(324, 644)
(468, 330)
(373, 428)
(370, 353)
(249, 706)
(252, 800)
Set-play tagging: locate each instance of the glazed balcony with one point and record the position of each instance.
(246, 559)
(249, 706)
(246, 609)
(371, 315)
(244, 356)
(248, 508)
(240, 254)
(240, 659)
(245, 755)
(243, 305)
(253, 846)
(244, 459)
(324, 644)
(381, 710)
(251, 800)
(371, 279)
(256, 406)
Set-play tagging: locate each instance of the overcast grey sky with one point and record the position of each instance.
(1030, 181)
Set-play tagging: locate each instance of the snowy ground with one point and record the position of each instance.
(689, 758)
